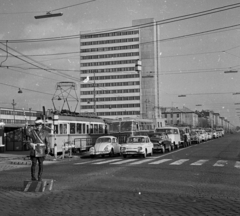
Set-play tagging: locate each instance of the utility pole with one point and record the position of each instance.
(94, 94)
(13, 104)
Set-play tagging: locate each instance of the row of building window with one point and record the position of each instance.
(118, 113)
(12, 121)
(110, 84)
(125, 40)
(111, 34)
(103, 49)
(126, 76)
(110, 106)
(110, 91)
(111, 99)
(171, 115)
(110, 55)
(19, 113)
(106, 70)
(108, 63)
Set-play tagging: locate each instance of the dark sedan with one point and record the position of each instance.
(161, 142)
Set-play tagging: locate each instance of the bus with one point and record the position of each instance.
(126, 127)
(78, 132)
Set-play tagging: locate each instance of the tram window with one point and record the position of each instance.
(79, 128)
(84, 128)
(96, 129)
(63, 128)
(100, 129)
(91, 128)
(87, 129)
(56, 129)
(72, 128)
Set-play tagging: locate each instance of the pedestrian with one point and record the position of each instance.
(39, 147)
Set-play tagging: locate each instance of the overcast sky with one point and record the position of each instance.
(193, 66)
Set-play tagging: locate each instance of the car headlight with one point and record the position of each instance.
(106, 148)
(139, 148)
(123, 148)
(91, 149)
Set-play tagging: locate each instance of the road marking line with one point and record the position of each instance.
(38, 186)
(237, 165)
(160, 161)
(89, 161)
(199, 162)
(141, 161)
(28, 185)
(108, 161)
(220, 163)
(125, 161)
(179, 162)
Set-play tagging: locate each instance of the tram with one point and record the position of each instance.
(78, 132)
(126, 127)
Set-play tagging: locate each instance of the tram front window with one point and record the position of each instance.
(126, 126)
(114, 127)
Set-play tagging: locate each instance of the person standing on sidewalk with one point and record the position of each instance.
(39, 147)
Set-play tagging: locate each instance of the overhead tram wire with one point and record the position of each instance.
(45, 69)
(166, 21)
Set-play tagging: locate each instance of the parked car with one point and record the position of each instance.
(105, 145)
(137, 145)
(215, 134)
(203, 135)
(221, 131)
(173, 133)
(195, 137)
(161, 142)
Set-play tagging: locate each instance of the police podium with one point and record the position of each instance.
(38, 186)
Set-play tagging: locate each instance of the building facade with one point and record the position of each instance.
(115, 89)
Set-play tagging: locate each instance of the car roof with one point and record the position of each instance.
(107, 137)
(139, 136)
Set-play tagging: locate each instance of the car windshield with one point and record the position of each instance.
(165, 130)
(103, 140)
(136, 140)
(157, 135)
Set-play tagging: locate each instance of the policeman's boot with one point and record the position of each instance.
(33, 173)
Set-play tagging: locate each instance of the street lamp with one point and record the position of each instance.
(48, 15)
(231, 71)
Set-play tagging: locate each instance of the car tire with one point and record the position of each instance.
(169, 148)
(163, 149)
(111, 154)
(145, 154)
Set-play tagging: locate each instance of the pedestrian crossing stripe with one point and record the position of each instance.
(160, 161)
(179, 162)
(108, 161)
(220, 163)
(199, 163)
(119, 161)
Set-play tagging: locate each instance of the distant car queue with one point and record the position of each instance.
(159, 140)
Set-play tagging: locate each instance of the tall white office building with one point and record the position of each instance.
(115, 89)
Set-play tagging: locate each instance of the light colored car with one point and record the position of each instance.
(221, 131)
(105, 145)
(195, 137)
(137, 145)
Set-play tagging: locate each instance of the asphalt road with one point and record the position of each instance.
(198, 180)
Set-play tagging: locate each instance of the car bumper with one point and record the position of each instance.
(100, 153)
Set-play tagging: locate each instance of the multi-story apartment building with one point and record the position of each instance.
(115, 89)
(180, 116)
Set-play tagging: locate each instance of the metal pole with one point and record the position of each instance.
(94, 94)
(14, 104)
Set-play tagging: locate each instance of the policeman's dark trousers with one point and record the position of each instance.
(40, 167)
